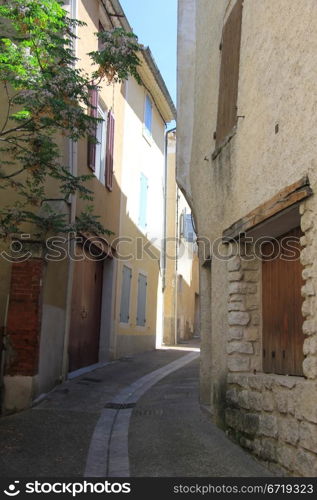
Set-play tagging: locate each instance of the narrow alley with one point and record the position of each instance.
(158, 241)
(67, 434)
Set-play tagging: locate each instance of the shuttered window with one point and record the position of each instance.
(143, 202)
(100, 146)
(93, 111)
(125, 294)
(141, 308)
(101, 29)
(188, 228)
(229, 73)
(281, 302)
(109, 152)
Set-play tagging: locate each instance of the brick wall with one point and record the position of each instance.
(24, 318)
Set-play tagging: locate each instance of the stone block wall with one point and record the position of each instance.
(272, 416)
(244, 344)
(275, 418)
(309, 261)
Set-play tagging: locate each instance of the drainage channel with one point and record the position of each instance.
(108, 451)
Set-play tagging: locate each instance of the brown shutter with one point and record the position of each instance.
(109, 151)
(281, 301)
(101, 29)
(229, 73)
(93, 111)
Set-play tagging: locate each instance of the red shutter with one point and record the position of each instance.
(93, 111)
(109, 151)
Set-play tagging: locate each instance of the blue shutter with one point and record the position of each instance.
(148, 114)
(189, 229)
(143, 202)
(141, 308)
(125, 294)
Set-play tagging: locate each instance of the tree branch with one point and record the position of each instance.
(4, 177)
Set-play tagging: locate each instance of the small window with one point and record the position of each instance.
(189, 233)
(125, 295)
(141, 309)
(101, 146)
(187, 227)
(97, 140)
(148, 115)
(143, 202)
(100, 43)
(109, 152)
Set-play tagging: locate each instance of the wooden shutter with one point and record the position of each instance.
(143, 202)
(109, 151)
(281, 301)
(125, 295)
(101, 29)
(229, 73)
(141, 308)
(93, 111)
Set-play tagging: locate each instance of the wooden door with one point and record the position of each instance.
(281, 300)
(86, 312)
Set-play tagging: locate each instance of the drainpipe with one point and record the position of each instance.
(176, 267)
(72, 153)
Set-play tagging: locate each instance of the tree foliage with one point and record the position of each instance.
(46, 96)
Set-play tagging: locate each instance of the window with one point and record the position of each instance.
(141, 308)
(143, 202)
(148, 115)
(281, 304)
(187, 227)
(100, 146)
(125, 295)
(189, 233)
(229, 74)
(109, 153)
(101, 142)
(101, 29)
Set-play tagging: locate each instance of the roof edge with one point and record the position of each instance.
(146, 51)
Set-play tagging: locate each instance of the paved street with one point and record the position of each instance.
(159, 425)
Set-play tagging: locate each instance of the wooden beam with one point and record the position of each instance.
(288, 196)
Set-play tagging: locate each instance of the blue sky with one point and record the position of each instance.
(155, 23)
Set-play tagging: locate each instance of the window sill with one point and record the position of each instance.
(224, 143)
(125, 325)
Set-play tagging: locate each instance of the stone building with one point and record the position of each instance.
(246, 161)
